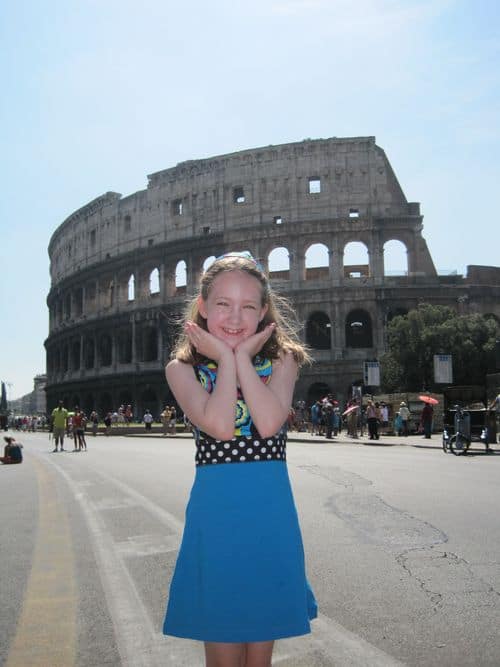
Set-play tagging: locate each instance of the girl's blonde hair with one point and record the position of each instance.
(285, 335)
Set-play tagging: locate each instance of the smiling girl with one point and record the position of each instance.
(239, 582)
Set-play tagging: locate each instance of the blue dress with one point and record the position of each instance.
(240, 573)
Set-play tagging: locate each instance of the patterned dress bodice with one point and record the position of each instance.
(247, 445)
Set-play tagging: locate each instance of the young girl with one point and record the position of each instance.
(239, 581)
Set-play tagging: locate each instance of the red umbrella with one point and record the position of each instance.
(429, 399)
(349, 410)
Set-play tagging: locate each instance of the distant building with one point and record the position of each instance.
(34, 403)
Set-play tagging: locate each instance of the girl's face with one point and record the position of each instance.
(233, 308)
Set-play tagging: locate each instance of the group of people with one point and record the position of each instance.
(169, 420)
(326, 418)
(63, 423)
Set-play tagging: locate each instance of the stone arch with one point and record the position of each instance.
(105, 350)
(318, 331)
(208, 263)
(316, 391)
(358, 329)
(149, 401)
(88, 404)
(88, 353)
(395, 258)
(317, 262)
(356, 261)
(154, 281)
(150, 344)
(65, 358)
(181, 277)
(131, 288)
(75, 355)
(67, 306)
(278, 262)
(125, 347)
(396, 312)
(105, 404)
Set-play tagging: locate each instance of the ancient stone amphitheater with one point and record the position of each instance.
(122, 267)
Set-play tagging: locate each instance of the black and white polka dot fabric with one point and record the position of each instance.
(240, 449)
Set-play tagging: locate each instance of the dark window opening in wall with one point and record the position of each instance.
(278, 220)
(105, 351)
(88, 354)
(67, 307)
(206, 230)
(75, 356)
(314, 186)
(396, 312)
(177, 207)
(65, 358)
(105, 404)
(358, 329)
(90, 291)
(150, 345)
(125, 349)
(78, 302)
(150, 242)
(318, 331)
(108, 255)
(354, 213)
(127, 223)
(238, 195)
(92, 237)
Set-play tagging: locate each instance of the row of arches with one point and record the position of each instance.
(122, 289)
(95, 350)
(146, 343)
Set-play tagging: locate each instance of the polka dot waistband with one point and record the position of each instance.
(240, 450)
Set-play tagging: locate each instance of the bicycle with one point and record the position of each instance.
(459, 442)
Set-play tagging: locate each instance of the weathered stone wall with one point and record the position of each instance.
(108, 342)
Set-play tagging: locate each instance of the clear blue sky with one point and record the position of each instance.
(97, 94)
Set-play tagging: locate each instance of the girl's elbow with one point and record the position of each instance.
(267, 430)
(220, 431)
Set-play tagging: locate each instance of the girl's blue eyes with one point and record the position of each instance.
(224, 303)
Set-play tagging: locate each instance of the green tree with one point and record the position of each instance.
(415, 338)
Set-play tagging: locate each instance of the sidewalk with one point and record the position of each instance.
(303, 437)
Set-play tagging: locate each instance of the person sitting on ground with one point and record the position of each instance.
(12, 451)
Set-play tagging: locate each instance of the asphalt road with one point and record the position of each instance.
(402, 545)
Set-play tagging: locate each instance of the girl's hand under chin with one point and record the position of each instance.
(205, 343)
(254, 344)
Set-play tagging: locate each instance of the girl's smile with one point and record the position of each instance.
(233, 309)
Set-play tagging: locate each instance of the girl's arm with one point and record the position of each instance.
(268, 404)
(213, 412)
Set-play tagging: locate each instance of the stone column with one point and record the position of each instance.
(82, 364)
(134, 348)
(336, 265)
(376, 261)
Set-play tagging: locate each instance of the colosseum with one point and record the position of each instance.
(122, 267)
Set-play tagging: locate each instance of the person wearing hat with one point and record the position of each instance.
(12, 451)
(404, 413)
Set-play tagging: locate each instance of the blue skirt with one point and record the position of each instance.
(240, 574)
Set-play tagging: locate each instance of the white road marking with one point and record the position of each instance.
(139, 644)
